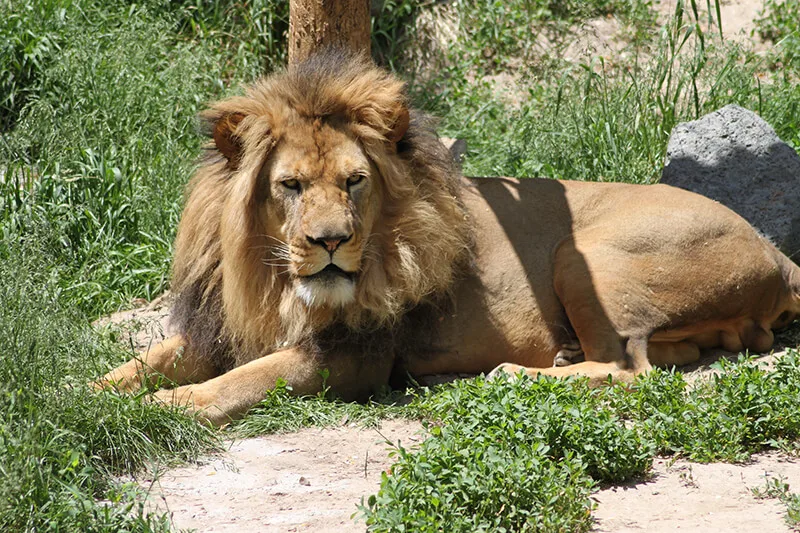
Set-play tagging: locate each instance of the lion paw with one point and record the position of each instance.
(123, 380)
(101, 384)
(179, 396)
(569, 355)
(197, 403)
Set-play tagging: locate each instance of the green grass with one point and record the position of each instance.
(777, 488)
(280, 412)
(60, 443)
(98, 137)
(525, 455)
(610, 121)
(780, 23)
(108, 179)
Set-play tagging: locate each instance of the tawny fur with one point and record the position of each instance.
(328, 230)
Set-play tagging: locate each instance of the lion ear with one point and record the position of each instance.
(400, 126)
(228, 143)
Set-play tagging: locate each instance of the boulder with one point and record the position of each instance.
(733, 156)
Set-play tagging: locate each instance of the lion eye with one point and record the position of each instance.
(355, 179)
(291, 184)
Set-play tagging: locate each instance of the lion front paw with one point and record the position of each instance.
(101, 384)
(198, 403)
(124, 379)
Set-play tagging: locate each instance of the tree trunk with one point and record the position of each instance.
(316, 24)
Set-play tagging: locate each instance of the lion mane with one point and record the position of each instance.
(231, 305)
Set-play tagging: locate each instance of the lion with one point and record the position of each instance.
(328, 240)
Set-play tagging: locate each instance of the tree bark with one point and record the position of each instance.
(317, 24)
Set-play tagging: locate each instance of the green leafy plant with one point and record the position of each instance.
(524, 455)
(737, 411)
(777, 488)
(780, 23)
(507, 456)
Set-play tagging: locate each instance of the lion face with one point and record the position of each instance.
(323, 194)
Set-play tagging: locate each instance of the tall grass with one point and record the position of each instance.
(780, 23)
(59, 442)
(29, 38)
(610, 120)
(123, 95)
(101, 138)
(249, 37)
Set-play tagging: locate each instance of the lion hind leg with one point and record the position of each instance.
(666, 354)
(569, 354)
(598, 373)
(621, 370)
(757, 336)
(660, 354)
(169, 360)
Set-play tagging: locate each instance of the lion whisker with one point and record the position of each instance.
(277, 252)
(284, 243)
(277, 246)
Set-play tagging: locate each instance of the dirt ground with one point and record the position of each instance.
(313, 480)
(606, 36)
(699, 498)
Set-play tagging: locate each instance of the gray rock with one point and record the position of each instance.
(733, 156)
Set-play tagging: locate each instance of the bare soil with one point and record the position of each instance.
(607, 37)
(707, 498)
(311, 480)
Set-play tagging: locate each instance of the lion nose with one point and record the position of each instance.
(329, 242)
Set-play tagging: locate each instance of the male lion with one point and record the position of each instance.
(328, 229)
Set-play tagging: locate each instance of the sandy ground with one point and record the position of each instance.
(738, 17)
(700, 498)
(609, 38)
(606, 37)
(311, 480)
